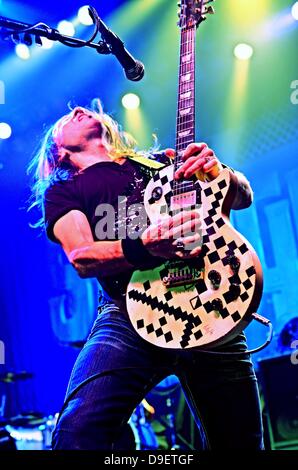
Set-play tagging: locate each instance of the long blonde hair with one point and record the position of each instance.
(48, 168)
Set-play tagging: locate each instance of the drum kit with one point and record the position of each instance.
(33, 431)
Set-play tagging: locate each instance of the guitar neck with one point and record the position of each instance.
(185, 124)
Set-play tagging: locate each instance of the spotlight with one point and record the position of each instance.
(5, 130)
(243, 51)
(130, 101)
(295, 11)
(22, 51)
(84, 17)
(66, 27)
(47, 43)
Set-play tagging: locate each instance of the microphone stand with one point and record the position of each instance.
(171, 425)
(2, 407)
(109, 44)
(20, 32)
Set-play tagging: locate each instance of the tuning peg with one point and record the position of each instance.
(209, 11)
(15, 37)
(27, 39)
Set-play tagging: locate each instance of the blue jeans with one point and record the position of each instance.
(117, 368)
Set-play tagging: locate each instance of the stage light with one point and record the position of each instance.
(247, 12)
(66, 28)
(295, 11)
(22, 51)
(47, 43)
(84, 17)
(130, 101)
(243, 51)
(5, 130)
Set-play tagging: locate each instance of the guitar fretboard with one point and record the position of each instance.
(185, 124)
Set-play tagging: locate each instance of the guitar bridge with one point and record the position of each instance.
(180, 274)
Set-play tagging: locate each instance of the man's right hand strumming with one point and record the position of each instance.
(177, 236)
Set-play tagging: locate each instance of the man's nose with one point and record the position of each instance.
(77, 110)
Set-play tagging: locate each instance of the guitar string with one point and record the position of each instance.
(185, 122)
(180, 124)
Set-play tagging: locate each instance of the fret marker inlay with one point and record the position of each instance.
(186, 95)
(184, 133)
(183, 112)
(186, 77)
(186, 58)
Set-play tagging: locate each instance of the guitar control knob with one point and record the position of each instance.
(234, 262)
(217, 305)
(215, 278)
(156, 193)
(234, 291)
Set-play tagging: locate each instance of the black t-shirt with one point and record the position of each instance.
(101, 183)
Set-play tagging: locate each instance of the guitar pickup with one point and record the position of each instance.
(183, 201)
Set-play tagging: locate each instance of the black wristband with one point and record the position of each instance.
(137, 255)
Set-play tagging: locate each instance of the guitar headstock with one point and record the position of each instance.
(193, 12)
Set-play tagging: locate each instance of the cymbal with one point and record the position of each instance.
(30, 420)
(11, 377)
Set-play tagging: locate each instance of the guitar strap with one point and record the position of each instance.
(147, 162)
(156, 165)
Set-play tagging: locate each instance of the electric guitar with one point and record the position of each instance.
(206, 301)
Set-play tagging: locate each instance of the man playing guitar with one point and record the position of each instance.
(80, 166)
(178, 290)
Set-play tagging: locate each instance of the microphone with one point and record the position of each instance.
(133, 69)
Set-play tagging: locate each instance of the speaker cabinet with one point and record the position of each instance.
(278, 378)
